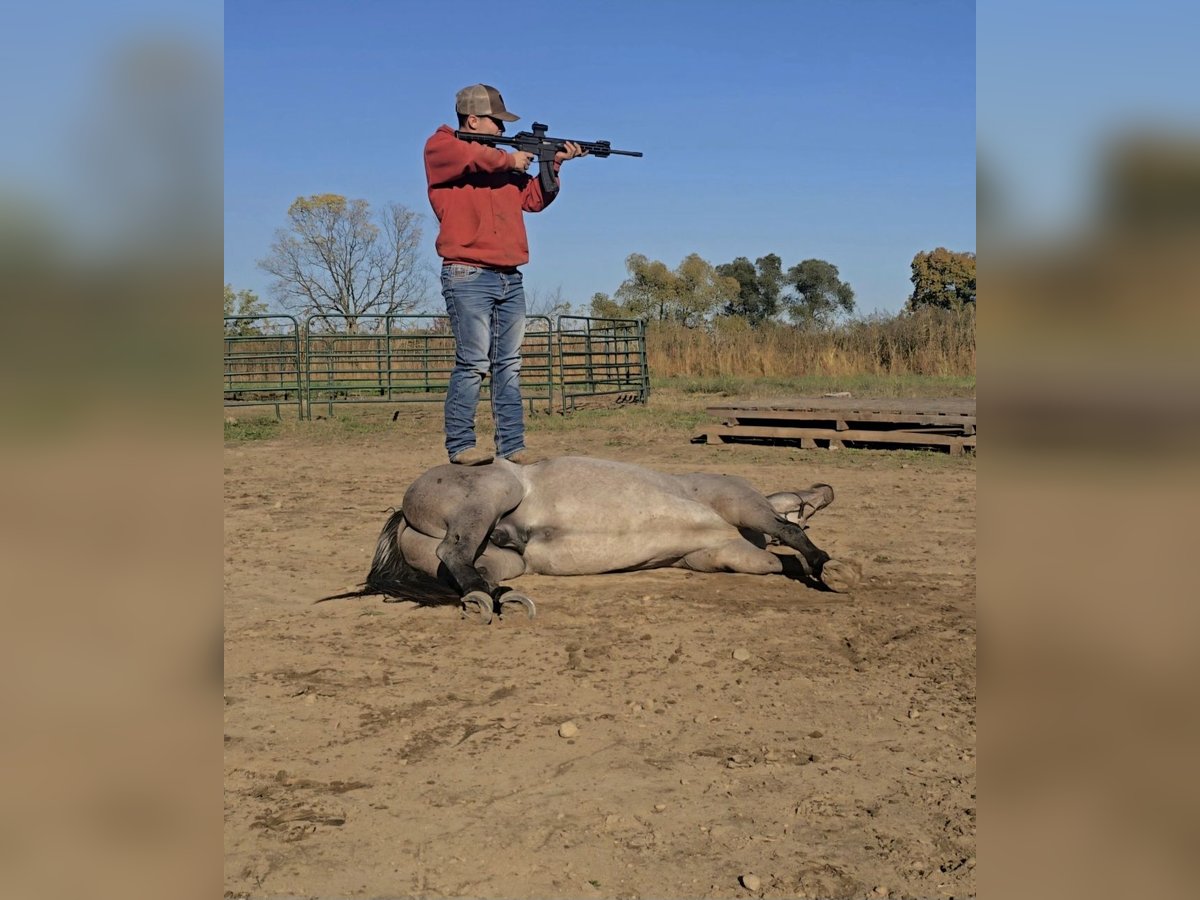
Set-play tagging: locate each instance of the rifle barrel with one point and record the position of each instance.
(606, 151)
(597, 147)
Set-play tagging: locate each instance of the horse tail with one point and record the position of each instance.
(389, 569)
(391, 574)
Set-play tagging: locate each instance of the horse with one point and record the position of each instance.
(463, 530)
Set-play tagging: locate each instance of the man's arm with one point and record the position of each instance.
(448, 159)
(534, 198)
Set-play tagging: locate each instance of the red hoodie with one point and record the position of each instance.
(479, 201)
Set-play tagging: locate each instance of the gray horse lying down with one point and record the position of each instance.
(466, 529)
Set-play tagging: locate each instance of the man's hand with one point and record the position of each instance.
(520, 160)
(570, 151)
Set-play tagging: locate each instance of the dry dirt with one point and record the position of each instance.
(389, 750)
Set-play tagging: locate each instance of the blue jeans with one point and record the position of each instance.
(487, 316)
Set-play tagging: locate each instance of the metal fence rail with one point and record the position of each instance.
(381, 361)
(409, 358)
(402, 359)
(263, 365)
(602, 357)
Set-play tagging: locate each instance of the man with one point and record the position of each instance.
(479, 194)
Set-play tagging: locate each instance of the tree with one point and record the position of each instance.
(551, 305)
(820, 295)
(333, 259)
(760, 286)
(605, 307)
(942, 278)
(243, 303)
(686, 294)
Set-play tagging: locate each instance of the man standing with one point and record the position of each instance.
(479, 195)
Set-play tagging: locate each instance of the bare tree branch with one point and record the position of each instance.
(333, 259)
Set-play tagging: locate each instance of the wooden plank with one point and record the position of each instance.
(957, 430)
(934, 405)
(808, 436)
(739, 416)
(946, 422)
(954, 445)
(767, 412)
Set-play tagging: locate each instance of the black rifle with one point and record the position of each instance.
(543, 147)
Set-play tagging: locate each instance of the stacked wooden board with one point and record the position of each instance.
(846, 422)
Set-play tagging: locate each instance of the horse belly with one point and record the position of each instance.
(598, 547)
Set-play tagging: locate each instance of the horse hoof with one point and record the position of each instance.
(514, 597)
(478, 606)
(840, 575)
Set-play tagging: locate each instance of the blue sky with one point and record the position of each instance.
(838, 130)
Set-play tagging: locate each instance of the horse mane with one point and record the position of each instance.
(392, 576)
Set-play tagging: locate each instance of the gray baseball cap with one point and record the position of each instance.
(482, 100)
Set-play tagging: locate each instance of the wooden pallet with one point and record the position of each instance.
(835, 422)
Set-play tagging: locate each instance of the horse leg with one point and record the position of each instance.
(837, 575)
(463, 505)
(738, 503)
(508, 542)
(799, 506)
(745, 557)
(733, 556)
(458, 551)
(494, 565)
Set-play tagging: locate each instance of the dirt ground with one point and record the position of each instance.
(390, 750)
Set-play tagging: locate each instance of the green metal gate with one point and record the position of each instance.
(602, 357)
(273, 359)
(263, 365)
(405, 359)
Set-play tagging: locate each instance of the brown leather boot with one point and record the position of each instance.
(524, 457)
(472, 456)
